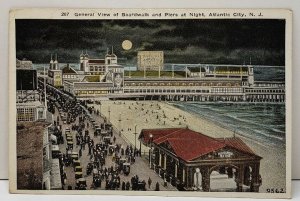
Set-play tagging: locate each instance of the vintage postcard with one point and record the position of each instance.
(171, 102)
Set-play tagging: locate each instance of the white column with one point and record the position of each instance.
(185, 71)
(183, 174)
(159, 162)
(165, 162)
(172, 70)
(200, 72)
(176, 170)
(150, 157)
(158, 71)
(214, 71)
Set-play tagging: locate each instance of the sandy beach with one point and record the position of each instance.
(125, 115)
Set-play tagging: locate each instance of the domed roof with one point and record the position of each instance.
(51, 61)
(112, 52)
(55, 61)
(86, 54)
(81, 55)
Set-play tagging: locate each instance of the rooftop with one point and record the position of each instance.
(97, 61)
(68, 69)
(155, 73)
(190, 145)
(91, 78)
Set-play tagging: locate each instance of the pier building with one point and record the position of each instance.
(197, 82)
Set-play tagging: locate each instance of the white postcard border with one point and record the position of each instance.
(56, 13)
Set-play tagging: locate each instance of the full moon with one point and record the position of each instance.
(126, 44)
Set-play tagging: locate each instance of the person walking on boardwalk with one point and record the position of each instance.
(157, 186)
(149, 182)
(123, 186)
(80, 153)
(127, 186)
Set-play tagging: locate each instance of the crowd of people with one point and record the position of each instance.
(105, 176)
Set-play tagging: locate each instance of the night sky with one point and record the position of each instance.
(183, 41)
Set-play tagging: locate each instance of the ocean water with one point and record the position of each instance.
(264, 123)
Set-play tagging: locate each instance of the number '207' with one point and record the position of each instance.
(64, 13)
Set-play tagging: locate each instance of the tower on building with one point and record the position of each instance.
(51, 63)
(250, 75)
(81, 61)
(85, 62)
(111, 58)
(55, 63)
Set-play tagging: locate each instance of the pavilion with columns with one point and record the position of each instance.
(186, 159)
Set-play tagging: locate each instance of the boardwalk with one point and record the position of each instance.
(140, 167)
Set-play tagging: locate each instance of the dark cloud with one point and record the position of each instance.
(183, 41)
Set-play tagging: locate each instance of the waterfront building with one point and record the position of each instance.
(214, 83)
(55, 78)
(29, 107)
(99, 86)
(104, 78)
(30, 111)
(100, 78)
(53, 64)
(33, 123)
(97, 66)
(191, 160)
(69, 73)
(150, 60)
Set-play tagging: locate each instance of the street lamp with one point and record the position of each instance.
(109, 114)
(150, 151)
(100, 107)
(120, 123)
(135, 137)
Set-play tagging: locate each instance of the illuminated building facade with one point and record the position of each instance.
(150, 60)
